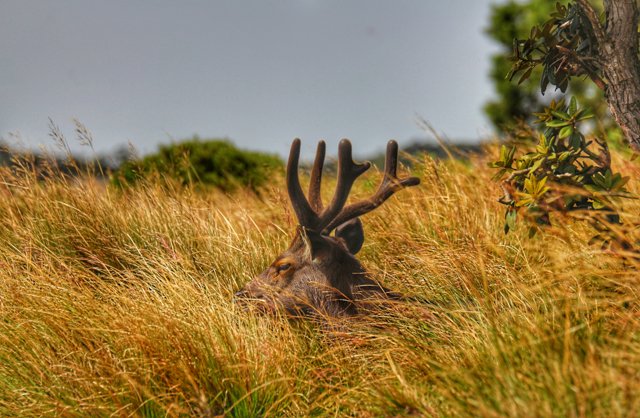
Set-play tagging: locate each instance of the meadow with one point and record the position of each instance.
(119, 303)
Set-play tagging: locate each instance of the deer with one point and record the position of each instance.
(319, 274)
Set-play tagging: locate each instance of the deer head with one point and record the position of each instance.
(319, 273)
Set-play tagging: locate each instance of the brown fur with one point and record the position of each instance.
(318, 274)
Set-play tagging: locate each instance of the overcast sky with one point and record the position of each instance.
(260, 72)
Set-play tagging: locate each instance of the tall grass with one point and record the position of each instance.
(120, 303)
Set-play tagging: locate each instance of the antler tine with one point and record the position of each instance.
(315, 197)
(389, 185)
(305, 214)
(348, 172)
(390, 163)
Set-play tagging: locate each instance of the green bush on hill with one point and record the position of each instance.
(215, 162)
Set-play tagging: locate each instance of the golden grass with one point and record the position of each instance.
(120, 303)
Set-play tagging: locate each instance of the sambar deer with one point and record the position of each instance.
(318, 273)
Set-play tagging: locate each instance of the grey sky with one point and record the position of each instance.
(260, 72)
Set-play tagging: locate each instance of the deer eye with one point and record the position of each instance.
(283, 267)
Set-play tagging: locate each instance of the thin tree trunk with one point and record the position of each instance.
(621, 66)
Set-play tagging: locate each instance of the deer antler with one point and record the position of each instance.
(307, 217)
(389, 185)
(335, 214)
(348, 172)
(316, 178)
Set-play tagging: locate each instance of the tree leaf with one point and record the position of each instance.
(557, 123)
(565, 132)
(560, 114)
(575, 140)
(573, 106)
(510, 219)
(525, 76)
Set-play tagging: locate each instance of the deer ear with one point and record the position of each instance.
(352, 234)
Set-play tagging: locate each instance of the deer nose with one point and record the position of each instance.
(240, 294)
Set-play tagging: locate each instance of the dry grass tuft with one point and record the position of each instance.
(119, 303)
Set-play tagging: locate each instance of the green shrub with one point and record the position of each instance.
(559, 171)
(216, 163)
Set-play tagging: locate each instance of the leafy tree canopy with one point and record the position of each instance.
(515, 101)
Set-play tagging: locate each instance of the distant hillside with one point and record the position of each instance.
(111, 163)
(418, 147)
(436, 151)
(44, 164)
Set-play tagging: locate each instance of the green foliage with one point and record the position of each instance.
(530, 20)
(561, 172)
(558, 170)
(563, 46)
(216, 163)
(510, 21)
